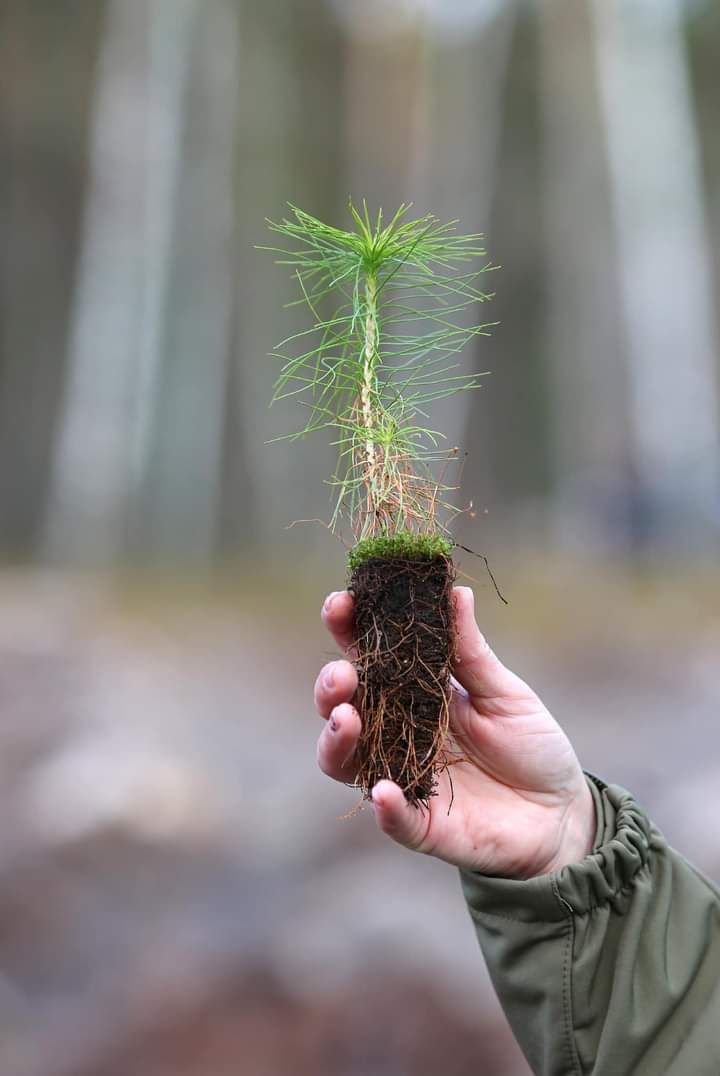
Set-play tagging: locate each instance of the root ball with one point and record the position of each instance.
(405, 640)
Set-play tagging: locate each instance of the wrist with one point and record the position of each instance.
(577, 831)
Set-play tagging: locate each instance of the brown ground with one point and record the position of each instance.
(177, 894)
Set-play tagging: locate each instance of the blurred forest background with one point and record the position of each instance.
(177, 894)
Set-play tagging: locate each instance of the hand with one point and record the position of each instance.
(521, 804)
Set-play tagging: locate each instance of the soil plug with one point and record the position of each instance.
(392, 307)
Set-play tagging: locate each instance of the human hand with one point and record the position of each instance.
(521, 805)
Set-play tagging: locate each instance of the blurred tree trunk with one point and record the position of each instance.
(119, 321)
(47, 64)
(664, 265)
(290, 102)
(171, 27)
(460, 157)
(386, 76)
(87, 508)
(184, 401)
(253, 476)
(588, 415)
(438, 155)
(703, 44)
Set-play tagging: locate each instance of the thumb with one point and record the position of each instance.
(406, 824)
(476, 667)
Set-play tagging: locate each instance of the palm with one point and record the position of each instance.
(500, 811)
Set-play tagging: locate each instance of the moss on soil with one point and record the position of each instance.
(404, 544)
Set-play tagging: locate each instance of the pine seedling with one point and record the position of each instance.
(392, 305)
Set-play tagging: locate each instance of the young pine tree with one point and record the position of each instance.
(391, 306)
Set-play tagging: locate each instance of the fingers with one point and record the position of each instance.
(397, 818)
(476, 667)
(336, 683)
(337, 743)
(334, 688)
(338, 614)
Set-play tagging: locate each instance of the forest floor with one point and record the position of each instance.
(177, 891)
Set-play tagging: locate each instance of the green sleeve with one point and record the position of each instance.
(611, 966)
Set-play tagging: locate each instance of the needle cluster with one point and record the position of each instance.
(392, 305)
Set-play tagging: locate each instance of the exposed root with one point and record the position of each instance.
(394, 493)
(353, 812)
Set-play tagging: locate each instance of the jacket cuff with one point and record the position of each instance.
(624, 842)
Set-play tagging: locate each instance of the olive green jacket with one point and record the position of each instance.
(611, 966)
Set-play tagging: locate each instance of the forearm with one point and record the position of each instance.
(610, 966)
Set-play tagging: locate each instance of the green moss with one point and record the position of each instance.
(403, 544)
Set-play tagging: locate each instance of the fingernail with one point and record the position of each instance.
(329, 600)
(329, 677)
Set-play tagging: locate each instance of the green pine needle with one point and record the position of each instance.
(389, 305)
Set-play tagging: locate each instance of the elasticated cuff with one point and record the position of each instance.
(624, 842)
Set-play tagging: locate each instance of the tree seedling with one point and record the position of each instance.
(391, 306)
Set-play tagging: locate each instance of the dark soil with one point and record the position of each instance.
(405, 638)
